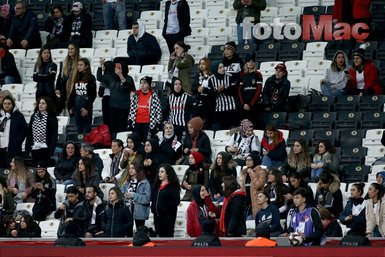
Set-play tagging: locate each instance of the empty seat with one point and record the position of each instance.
(276, 118)
(346, 103)
(321, 103)
(348, 119)
(323, 119)
(305, 135)
(353, 155)
(355, 173)
(268, 52)
(299, 120)
(372, 120)
(351, 137)
(371, 103)
(291, 51)
(325, 134)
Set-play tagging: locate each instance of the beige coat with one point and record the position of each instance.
(375, 217)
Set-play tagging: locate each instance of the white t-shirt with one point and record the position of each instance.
(360, 80)
(172, 19)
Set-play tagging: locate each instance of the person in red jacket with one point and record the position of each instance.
(352, 11)
(199, 210)
(362, 77)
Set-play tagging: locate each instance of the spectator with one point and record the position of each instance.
(28, 228)
(77, 27)
(120, 86)
(9, 73)
(170, 147)
(254, 175)
(6, 15)
(82, 97)
(273, 147)
(330, 224)
(180, 65)
(72, 210)
(277, 190)
(298, 160)
(232, 221)
(329, 194)
(269, 213)
(324, 159)
(112, 8)
(231, 62)
(249, 91)
(355, 236)
(54, 26)
(276, 90)
(20, 180)
(352, 12)
(116, 158)
(95, 207)
(222, 166)
(42, 131)
(262, 234)
(137, 193)
(242, 143)
(142, 47)
(199, 211)
(222, 91)
(66, 78)
(4, 93)
(43, 191)
(380, 178)
(85, 175)
(24, 31)
(67, 163)
(69, 238)
(45, 74)
(7, 204)
(131, 153)
(200, 88)
(176, 22)
(145, 110)
(150, 159)
(296, 181)
(141, 238)
(13, 129)
(207, 238)
(165, 200)
(179, 108)
(335, 79)
(9, 224)
(306, 231)
(105, 93)
(247, 8)
(375, 224)
(354, 211)
(362, 77)
(196, 174)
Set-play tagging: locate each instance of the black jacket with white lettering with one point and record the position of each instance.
(83, 93)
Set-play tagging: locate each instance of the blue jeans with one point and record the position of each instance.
(270, 163)
(109, 12)
(83, 123)
(241, 41)
(9, 80)
(326, 90)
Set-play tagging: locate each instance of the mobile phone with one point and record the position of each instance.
(118, 66)
(346, 72)
(263, 166)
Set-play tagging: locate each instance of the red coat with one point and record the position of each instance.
(360, 9)
(194, 228)
(370, 78)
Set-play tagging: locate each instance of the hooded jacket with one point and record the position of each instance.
(370, 78)
(8, 65)
(117, 220)
(276, 93)
(335, 78)
(143, 49)
(331, 198)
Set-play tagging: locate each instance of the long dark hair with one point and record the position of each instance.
(88, 165)
(139, 169)
(87, 73)
(172, 177)
(64, 155)
(51, 108)
(39, 60)
(230, 185)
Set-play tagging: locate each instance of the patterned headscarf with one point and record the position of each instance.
(245, 125)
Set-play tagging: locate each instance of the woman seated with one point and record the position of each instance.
(67, 163)
(196, 174)
(28, 228)
(374, 212)
(268, 213)
(330, 225)
(324, 159)
(296, 181)
(273, 147)
(329, 194)
(6, 201)
(86, 175)
(20, 181)
(298, 160)
(277, 190)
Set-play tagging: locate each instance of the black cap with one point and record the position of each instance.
(148, 79)
(250, 56)
(263, 230)
(359, 52)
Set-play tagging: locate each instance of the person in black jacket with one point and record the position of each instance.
(208, 238)
(45, 74)
(150, 159)
(54, 25)
(28, 228)
(42, 131)
(117, 220)
(24, 31)
(232, 62)
(170, 147)
(9, 73)
(13, 129)
(165, 200)
(142, 47)
(232, 219)
(331, 228)
(95, 207)
(176, 31)
(356, 236)
(87, 150)
(85, 175)
(69, 238)
(43, 191)
(77, 27)
(6, 15)
(67, 163)
(276, 90)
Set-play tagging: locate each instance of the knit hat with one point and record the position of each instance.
(263, 230)
(359, 52)
(249, 57)
(245, 125)
(196, 123)
(231, 45)
(198, 157)
(256, 159)
(77, 6)
(324, 213)
(281, 67)
(147, 79)
(41, 166)
(141, 236)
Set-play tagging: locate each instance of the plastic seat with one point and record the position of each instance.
(276, 118)
(325, 134)
(267, 52)
(283, 3)
(305, 135)
(218, 35)
(348, 119)
(351, 137)
(321, 103)
(372, 120)
(299, 120)
(346, 103)
(355, 173)
(371, 103)
(180, 170)
(291, 51)
(353, 155)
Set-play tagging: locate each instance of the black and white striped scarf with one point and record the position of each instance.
(39, 128)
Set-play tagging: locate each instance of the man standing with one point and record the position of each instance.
(112, 8)
(95, 208)
(24, 32)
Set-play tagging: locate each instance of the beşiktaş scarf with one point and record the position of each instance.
(4, 117)
(39, 130)
(96, 203)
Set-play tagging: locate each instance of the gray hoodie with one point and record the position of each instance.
(336, 79)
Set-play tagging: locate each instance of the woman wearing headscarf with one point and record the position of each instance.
(150, 159)
(243, 142)
(200, 209)
(362, 77)
(170, 147)
(197, 140)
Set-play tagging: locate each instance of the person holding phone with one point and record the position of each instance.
(335, 79)
(120, 85)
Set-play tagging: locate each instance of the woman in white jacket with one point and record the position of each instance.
(375, 211)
